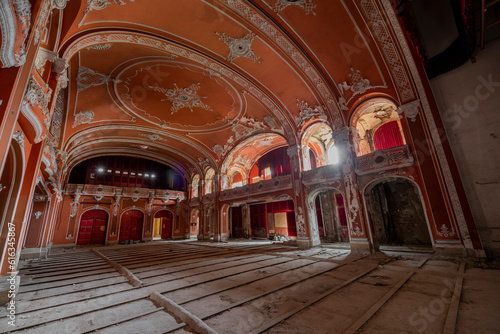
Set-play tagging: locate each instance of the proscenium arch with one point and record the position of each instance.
(388, 178)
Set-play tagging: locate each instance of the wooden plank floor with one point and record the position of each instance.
(253, 288)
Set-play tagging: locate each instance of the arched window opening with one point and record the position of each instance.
(377, 127)
(273, 164)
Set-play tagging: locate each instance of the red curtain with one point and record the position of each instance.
(387, 136)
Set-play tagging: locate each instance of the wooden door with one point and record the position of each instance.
(92, 228)
(131, 226)
(166, 226)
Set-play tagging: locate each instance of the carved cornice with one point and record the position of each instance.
(9, 56)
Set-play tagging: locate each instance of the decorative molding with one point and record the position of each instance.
(19, 137)
(87, 78)
(8, 55)
(239, 47)
(83, 117)
(37, 214)
(42, 56)
(59, 4)
(38, 95)
(307, 5)
(322, 175)
(308, 113)
(410, 110)
(182, 97)
(99, 5)
(388, 48)
(100, 47)
(42, 20)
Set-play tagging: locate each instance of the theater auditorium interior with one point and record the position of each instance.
(249, 166)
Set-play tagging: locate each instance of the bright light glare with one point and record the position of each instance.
(333, 155)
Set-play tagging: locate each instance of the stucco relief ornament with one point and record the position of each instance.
(300, 222)
(308, 113)
(99, 5)
(38, 214)
(410, 110)
(99, 47)
(240, 47)
(19, 137)
(183, 97)
(83, 117)
(87, 78)
(357, 85)
(307, 5)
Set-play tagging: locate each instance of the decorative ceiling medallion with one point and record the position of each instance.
(307, 5)
(83, 117)
(240, 47)
(183, 97)
(99, 47)
(153, 136)
(87, 78)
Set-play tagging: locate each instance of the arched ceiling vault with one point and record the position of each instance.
(191, 79)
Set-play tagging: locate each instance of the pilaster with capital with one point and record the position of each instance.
(358, 229)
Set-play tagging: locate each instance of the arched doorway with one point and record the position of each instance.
(397, 214)
(92, 228)
(195, 223)
(163, 225)
(328, 212)
(131, 226)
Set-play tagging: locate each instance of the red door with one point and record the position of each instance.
(131, 226)
(92, 228)
(166, 227)
(166, 223)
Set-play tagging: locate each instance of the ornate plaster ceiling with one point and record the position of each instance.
(192, 79)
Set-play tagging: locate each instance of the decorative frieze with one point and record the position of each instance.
(100, 191)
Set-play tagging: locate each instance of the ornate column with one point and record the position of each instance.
(307, 235)
(358, 230)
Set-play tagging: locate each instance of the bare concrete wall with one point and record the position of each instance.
(469, 102)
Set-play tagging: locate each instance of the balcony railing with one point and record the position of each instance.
(277, 183)
(381, 160)
(99, 191)
(328, 173)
